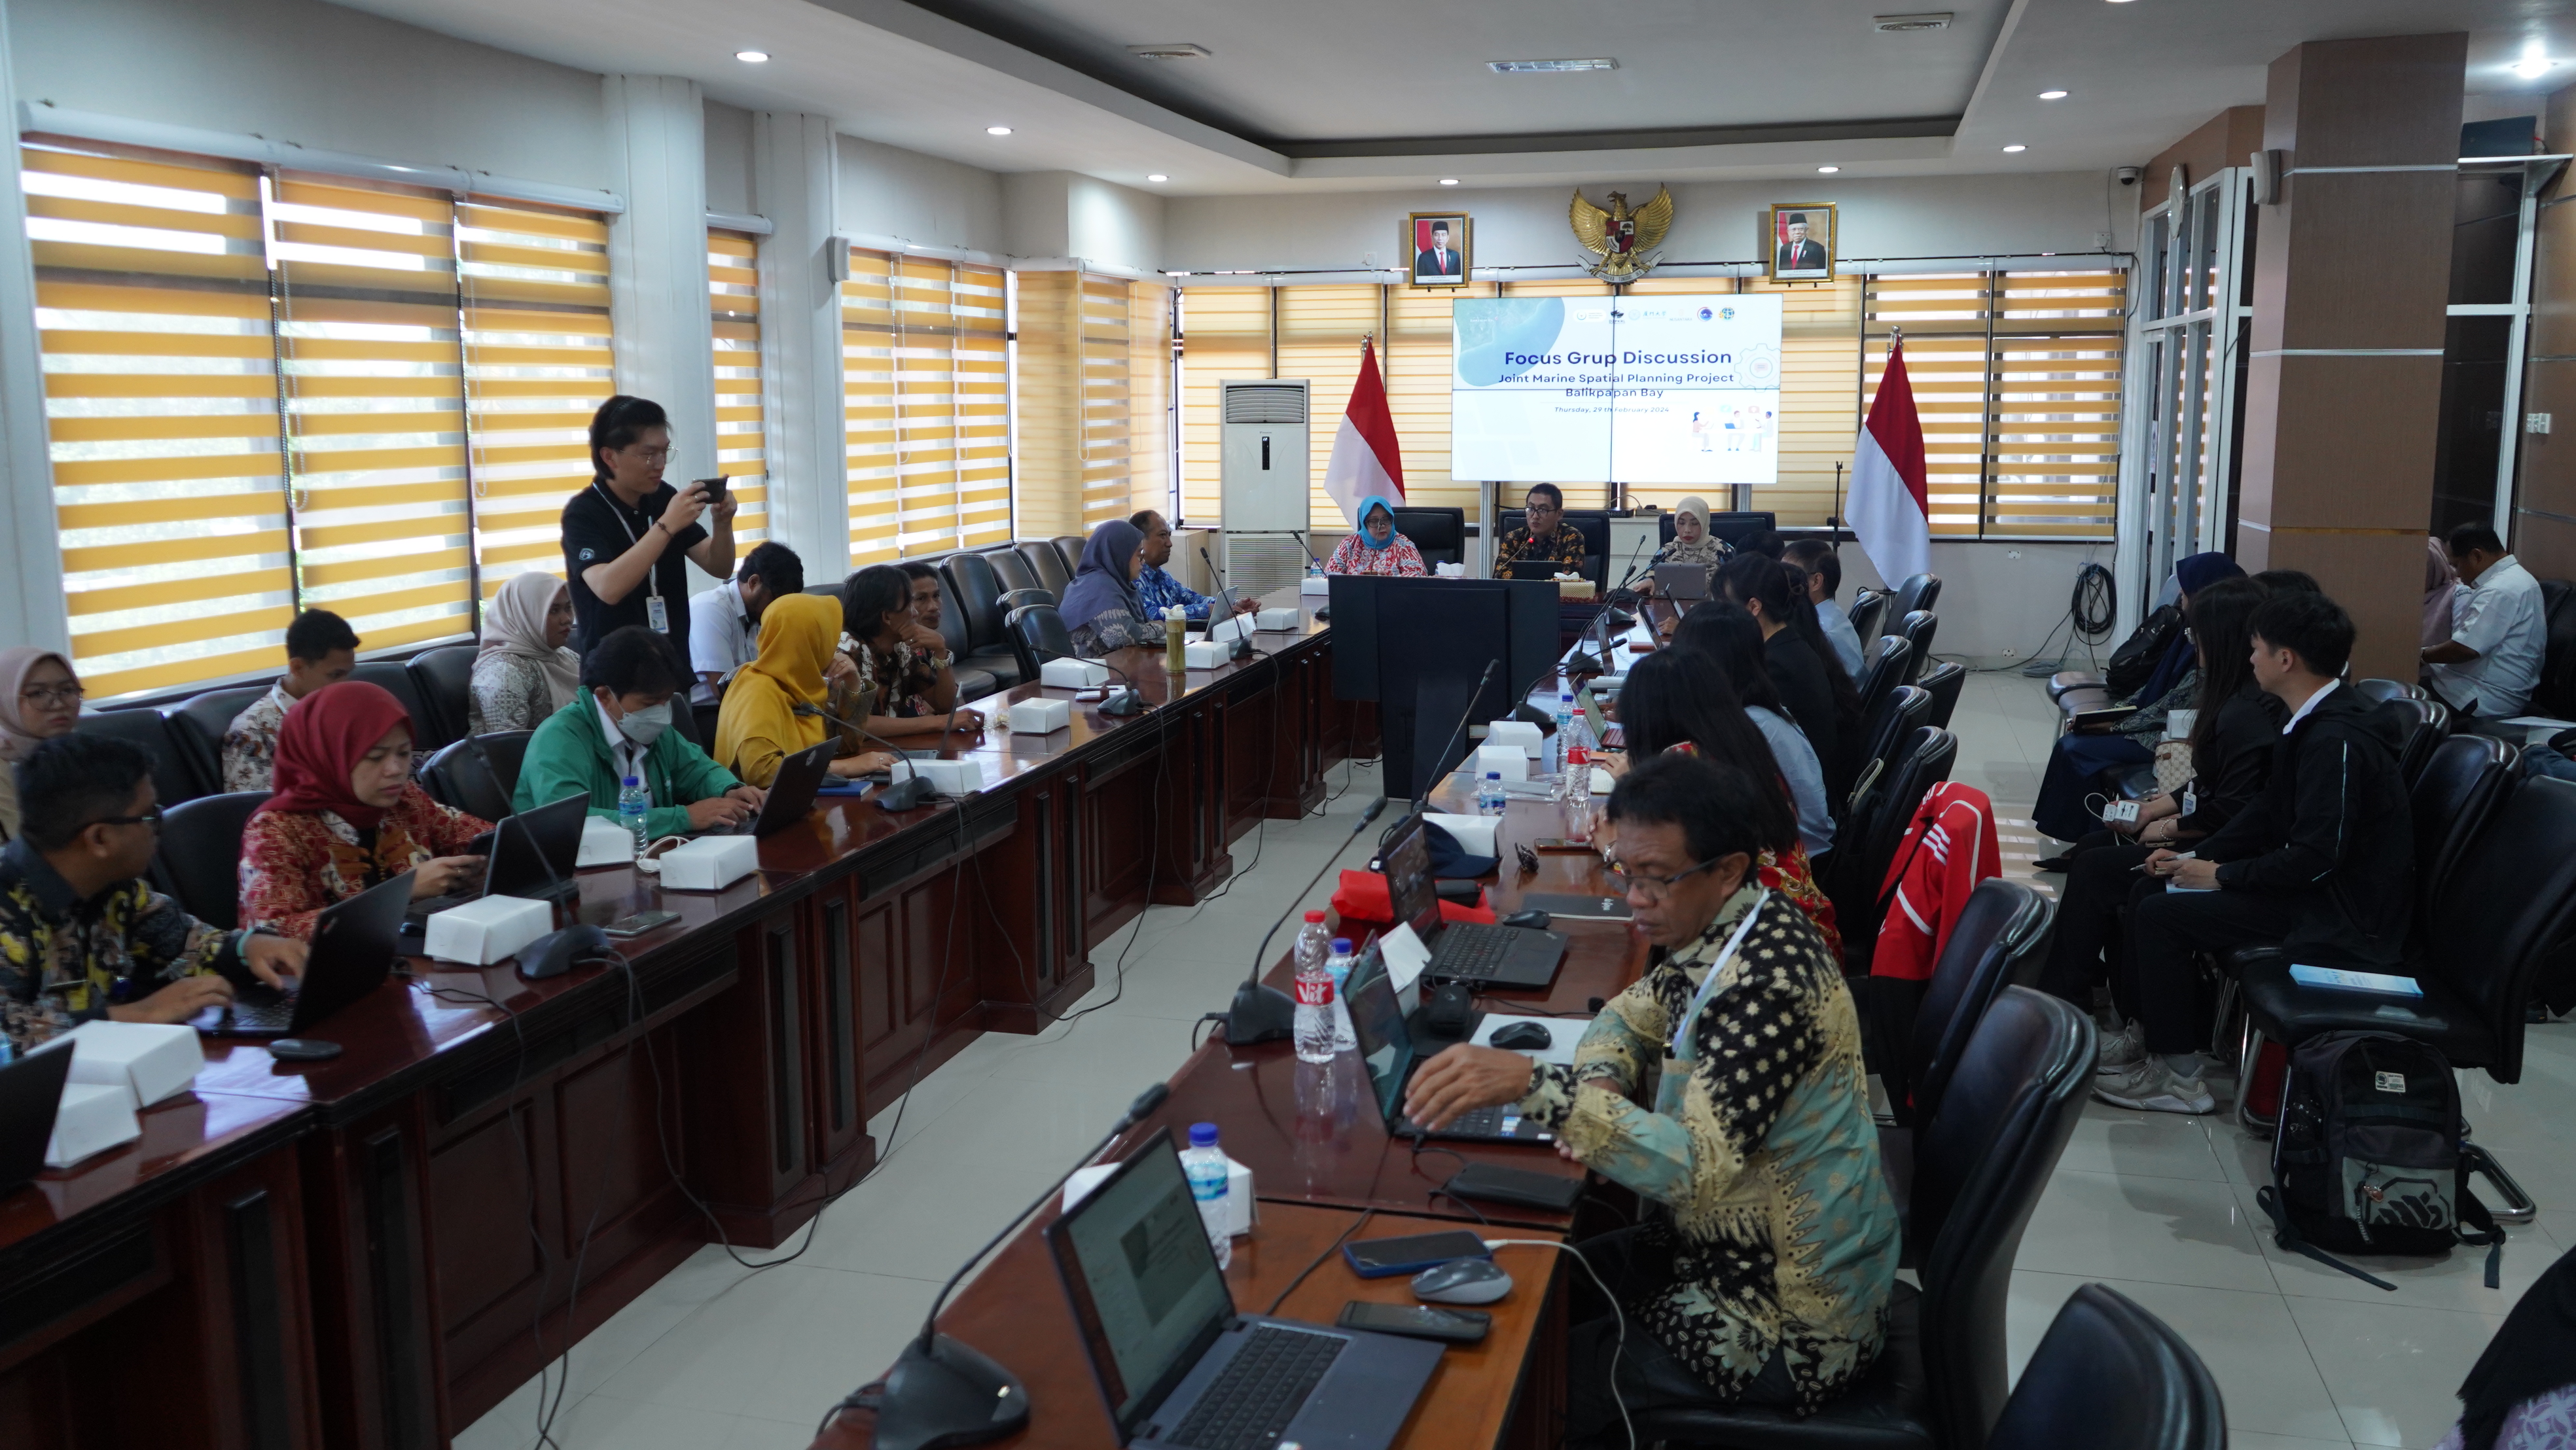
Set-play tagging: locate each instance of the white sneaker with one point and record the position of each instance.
(2152, 1087)
(2121, 1050)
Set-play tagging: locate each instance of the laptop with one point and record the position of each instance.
(30, 1090)
(1179, 1367)
(1538, 569)
(1474, 952)
(353, 951)
(1683, 584)
(534, 854)
(791, 794)
(1386, 1047)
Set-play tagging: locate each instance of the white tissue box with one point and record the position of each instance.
(1040, 717)
(1315, 584)
(1603, 782)
(1452, 571)
(1238, 1192)
(1233, 627)
(961, 777)
(604, 843)
(709, 863)
(1203, 654)
(1520, 734)
(1476, 834)
(1281, 618)
(1073, 674)
(91, 1119)
(148, 1061)
(1506, 760)
(490, 930)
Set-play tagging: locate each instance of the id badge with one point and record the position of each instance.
(2190, 801)
(657, 613)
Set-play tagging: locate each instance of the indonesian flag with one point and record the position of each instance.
(1890, 501)
(1366, 459)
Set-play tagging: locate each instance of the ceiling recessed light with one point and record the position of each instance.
(1448, 181)
(1545, 67)
(2052, 95)
(2532, 67)
(997, 130)
(1828, 170)
(2009, 150)
(1905, 24)
(754, 56)
(1158, 176)
(1169, 50)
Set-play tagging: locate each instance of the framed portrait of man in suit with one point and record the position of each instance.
(1438, 244)
(1801, 241)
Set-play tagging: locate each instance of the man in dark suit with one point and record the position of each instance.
(1439, 261)
(1797, 254)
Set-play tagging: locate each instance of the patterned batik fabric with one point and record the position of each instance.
(64, 961)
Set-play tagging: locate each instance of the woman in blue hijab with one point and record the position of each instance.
(1100, 606)
(1377, 548)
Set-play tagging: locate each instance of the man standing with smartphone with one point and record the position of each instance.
(628, 537)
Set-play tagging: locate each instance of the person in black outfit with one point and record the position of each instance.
(1801, 660)
(627, 538)
(2321, 863)
(2232, 736)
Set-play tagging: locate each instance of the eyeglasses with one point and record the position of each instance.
(150, 818)
(650, 455)
(54, 694)
(1653, 888)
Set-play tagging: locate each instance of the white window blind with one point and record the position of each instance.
(1225, 335)
(925, 377)
(733, 300)
(538, 363)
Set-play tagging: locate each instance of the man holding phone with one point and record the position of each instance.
(628, 537)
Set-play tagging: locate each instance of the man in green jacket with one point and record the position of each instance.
(620, 727)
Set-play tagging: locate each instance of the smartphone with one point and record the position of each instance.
(713, 488)
(1386, 1258)
(1417, 1321)
(640, 923)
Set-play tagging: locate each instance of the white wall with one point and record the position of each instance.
(1998, 596)
(1066, 214)
(889, 192)
(1712, 221)
(304, 71)
(728, 158)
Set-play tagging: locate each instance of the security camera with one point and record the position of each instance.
(2125, 175)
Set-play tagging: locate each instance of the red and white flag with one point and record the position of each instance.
(1891, 508)
(1366, 459)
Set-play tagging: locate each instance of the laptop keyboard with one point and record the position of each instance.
(1261, 1390)
(1476, 1123)
(1472, 950)
(257, 1010)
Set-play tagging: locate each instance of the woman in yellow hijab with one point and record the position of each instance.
(758, 726)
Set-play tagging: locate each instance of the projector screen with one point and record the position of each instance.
(1638, 390)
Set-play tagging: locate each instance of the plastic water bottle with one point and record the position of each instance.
(634, 803)
(1314, 942)
(1489, 796)
(1338, 967)
(1205, 1165)
(1564, 725)
(1315, 1030)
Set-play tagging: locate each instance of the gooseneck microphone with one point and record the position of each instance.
(943, 1391)
(1266, 1014)
(897, 795)
(1438, 765)
(1242, 644)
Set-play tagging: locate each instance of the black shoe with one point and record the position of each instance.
(2056, 863)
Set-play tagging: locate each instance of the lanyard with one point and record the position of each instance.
(1708, 984)
(652, 581)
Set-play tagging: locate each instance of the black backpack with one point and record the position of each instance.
(2135, 661)
(2367, 1157)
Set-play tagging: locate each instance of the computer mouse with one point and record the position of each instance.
(1462, 1281)
(1523, 1034)
(303, 1049)
(1534, 920)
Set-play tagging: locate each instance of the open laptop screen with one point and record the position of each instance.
(1414, 896)
(1145, 1285)
(1377, 1025)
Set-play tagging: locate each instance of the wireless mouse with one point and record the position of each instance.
(1462, 1281)
(303, 1049)
(1523, 1034)
(1534, 920)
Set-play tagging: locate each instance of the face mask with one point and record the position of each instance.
(646, 725)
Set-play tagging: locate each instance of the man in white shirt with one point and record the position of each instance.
(724, 622)
(1824, 581)
(2491, 663)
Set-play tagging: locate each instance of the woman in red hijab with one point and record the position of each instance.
(346, 814)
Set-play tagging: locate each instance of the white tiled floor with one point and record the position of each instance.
(2160, 1207)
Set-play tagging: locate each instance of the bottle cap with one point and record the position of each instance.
(1494, 775)
(1314, 916)
(1202, 1135)
(1341, 946)
(630, 780)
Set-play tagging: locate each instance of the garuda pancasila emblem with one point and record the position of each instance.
(1626, 242)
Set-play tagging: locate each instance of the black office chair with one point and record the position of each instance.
(172, 777)
(1994, 935)
(1873, 833)
(456, 777)
(1981, 1164)
(1038, 635)
(2065, 680)
(1900, 713)
(978, 593)
(1047, 565)
(1919, 625)
(1868, 608)
(395, 679)
(197, 726)
(1068, 547)
(444, 679)
(1022, 598)
(1943, 682)
(1011, 571)
(2556, 695)
(1885, 663)
(1438, 534)
(2108, 1375)
(2426, 724)
(2451, 801)
(2386, 690)
(974, 682)
(1737, 525)
(1917, 592)
(198, 863)
(1593, 524)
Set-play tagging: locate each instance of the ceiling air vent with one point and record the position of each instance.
(1170, 50)
(1548, 67)
(1901, 24)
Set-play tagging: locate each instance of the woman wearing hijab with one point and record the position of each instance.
(524, 673)
(40, 698)
(346, 814)
(1377, 548)
(1693, 541)
(2521, 1394)
(760, 724)
(1100, 606)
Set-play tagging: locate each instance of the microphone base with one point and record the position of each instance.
(1123, 702)
(904, 794)
(949, 1394)
(1260, 1014)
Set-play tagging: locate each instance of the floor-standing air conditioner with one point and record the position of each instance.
(1265, 475)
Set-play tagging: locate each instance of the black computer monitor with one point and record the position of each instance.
(1418, 647)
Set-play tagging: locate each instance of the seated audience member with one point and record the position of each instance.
(774, 706)
(1159, 591)
(1377, 548)
(901, 683)
(1801, 662)
(1692, 542)
(1743, 1112)
(2233, 731)
(2521, 1394)
(1824, 569)
(524, 671)
(82, 936)
(40, 698)
(1729, 639)
(1543, 534)
(621, 728)
(2320, 863)
(724, 620)
(2441, 582)
(2083, 760)
(935, 691)
(1678, 700)
(1100, 607)
(346, 815)
(2491, 663)
(321, 650)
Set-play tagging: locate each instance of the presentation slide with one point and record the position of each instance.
(1644, 390)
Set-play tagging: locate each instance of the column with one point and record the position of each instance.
(2351, 281)
(31, 603)
(794, 178)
